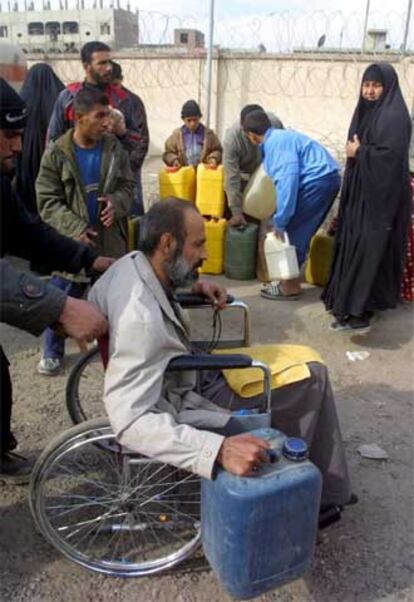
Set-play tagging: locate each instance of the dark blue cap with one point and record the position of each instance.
(295, 449)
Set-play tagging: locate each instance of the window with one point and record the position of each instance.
(70, 27)
(183, 38)
(35, 29)
(52, 27)
(3, 31)
(105, 29)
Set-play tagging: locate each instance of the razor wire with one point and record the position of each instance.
(305, 65)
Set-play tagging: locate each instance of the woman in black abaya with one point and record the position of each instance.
(40, 91)
(374, 210)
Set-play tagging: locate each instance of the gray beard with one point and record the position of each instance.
(179, 272)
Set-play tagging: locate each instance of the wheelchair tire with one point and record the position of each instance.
(113, 512)
(84, 388)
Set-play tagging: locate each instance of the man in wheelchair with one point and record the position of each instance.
(177, 417)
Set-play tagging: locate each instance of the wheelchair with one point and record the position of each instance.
(84, 388)
(114, 511)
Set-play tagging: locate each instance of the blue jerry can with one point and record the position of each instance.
(259, 532)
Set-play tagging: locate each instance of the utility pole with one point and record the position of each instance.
(364, 35)
(209, 65)
(407, 27)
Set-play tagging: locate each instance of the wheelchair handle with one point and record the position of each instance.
(202, 361)
(205, 361)
(194, 300)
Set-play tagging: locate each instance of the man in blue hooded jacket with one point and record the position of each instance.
(307, 181)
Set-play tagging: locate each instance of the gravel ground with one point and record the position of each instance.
(367, 556)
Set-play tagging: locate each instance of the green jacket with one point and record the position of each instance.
(61, 195)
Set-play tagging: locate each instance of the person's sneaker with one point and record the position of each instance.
(15, 469)
(49, 366)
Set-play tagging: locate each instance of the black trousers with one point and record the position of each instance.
(7, 441)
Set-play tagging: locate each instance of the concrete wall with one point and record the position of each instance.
(312, 93)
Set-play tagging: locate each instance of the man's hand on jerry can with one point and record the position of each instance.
(243, 454)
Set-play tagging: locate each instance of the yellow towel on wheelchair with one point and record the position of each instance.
(287, 364)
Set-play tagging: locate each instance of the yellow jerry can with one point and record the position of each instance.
(177, 181)
(210, 190)
(215, 230)
(319, 259)
(133, 233)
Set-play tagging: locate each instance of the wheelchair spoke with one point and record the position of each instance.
(113, 512)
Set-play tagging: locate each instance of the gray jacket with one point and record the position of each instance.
(240, 159)
(26, 301)
(152, 412)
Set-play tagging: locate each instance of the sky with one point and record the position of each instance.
(287, 23)
(278, 25)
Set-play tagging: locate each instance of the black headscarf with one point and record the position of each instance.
(40, 91)
(386, 113)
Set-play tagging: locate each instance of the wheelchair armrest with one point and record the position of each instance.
(194, 300)
(201, 361)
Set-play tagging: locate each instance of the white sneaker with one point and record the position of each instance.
(49, 366)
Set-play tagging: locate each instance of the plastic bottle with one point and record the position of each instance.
(281, 259)
(210, 190)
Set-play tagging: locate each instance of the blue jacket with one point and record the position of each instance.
(292, 160)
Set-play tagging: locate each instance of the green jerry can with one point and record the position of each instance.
(319, 259)
(240, 249)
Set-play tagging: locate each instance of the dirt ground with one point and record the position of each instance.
(367, 556)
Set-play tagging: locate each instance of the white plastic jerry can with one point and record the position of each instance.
(281, 258)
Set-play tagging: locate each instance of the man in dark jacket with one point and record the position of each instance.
(25, 301)
(138, 155)
(96, 60)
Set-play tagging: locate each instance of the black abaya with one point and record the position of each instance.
(40, 91)
(374, 210)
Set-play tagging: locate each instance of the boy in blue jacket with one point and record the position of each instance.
(307, 181)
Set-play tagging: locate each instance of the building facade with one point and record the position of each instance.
(65, 31)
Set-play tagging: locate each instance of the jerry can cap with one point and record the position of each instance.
(295, 449)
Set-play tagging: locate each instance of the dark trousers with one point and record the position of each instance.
(137, 207)
(7, 441)
(54, 344)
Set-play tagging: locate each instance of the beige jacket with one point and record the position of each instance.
(153, 413)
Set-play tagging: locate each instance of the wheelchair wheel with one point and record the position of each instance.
(112, 512)
(84, 389)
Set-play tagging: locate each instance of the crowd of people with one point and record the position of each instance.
(77, 158)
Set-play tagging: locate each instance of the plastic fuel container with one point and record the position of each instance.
(133, 226)
(177, 181)
(210, 190)
(240, 250)
(259, 197)
(319, 259)
(281, 259)
(215, 230)
(259, 532)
